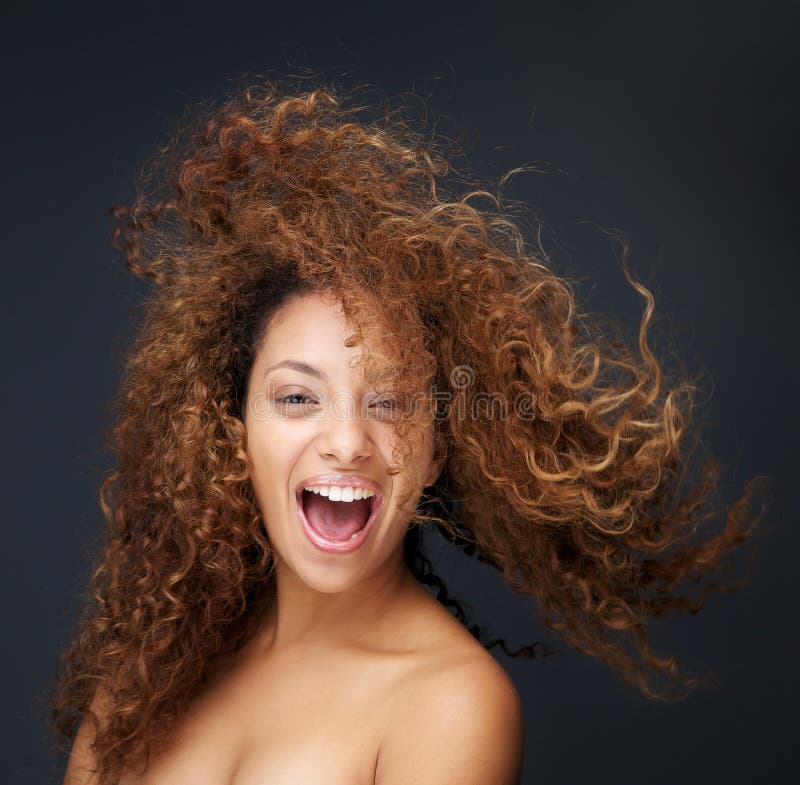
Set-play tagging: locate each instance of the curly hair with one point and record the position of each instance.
(572, 493)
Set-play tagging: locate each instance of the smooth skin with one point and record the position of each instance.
(357, 675)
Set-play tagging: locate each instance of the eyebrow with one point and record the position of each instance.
(298, 365)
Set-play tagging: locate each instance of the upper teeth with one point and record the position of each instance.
(337, 493)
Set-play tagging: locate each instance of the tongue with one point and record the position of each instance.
(335, 520)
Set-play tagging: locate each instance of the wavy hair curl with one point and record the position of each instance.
(573, 493)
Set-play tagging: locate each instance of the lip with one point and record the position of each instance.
(341, 480)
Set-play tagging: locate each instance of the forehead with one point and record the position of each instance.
(314, 328)
(310, 327)
(306, 318)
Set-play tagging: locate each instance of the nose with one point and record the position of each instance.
(344, 437)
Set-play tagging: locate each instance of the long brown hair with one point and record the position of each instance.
(572, 491)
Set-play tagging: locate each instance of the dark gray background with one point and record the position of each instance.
(675, 122)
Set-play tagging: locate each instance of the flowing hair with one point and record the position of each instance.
(566, 448)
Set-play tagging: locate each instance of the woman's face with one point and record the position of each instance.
(311, 421)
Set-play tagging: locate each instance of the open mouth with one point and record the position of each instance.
(337, 521)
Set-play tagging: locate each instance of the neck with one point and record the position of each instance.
(301, 615)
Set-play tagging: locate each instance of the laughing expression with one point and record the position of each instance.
(319, 466)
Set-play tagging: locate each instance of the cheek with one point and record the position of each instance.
(275, 439)
(272, 452)
(424, 447)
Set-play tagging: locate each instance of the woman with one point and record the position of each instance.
(335, 354)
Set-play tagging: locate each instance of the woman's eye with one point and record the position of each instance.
(384, 403)
(388, 406)
(288, 398)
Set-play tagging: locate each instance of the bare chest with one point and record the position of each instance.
(300, 722)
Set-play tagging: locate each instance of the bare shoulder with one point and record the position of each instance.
(82, 763)
(456, 720)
